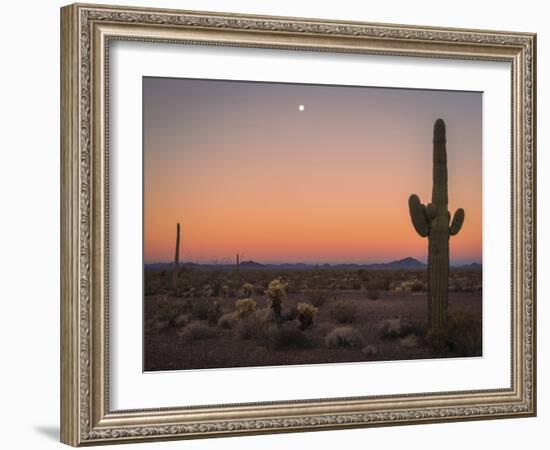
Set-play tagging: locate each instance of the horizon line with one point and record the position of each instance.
(230, 262)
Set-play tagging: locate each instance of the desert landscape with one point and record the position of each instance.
(222, 316)
(362, 233)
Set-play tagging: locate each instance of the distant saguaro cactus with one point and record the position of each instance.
(177, 260)
(434, 221)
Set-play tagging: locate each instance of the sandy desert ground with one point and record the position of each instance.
(356, 315)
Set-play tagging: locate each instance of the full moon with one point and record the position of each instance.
(301, 107)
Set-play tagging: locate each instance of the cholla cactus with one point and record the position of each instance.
(434, 221)
(306, 314)
(276, 293)
(245, 307)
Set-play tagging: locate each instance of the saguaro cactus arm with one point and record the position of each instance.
(419, 216)
(457, 222)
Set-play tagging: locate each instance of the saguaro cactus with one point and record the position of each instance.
(434, 221)
(177, 260)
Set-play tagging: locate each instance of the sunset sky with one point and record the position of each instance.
(244, 170)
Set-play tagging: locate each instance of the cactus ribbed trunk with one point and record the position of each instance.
(432, 221)
(177, 260)
(438, 238)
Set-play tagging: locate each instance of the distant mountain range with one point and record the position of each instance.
(406, 263)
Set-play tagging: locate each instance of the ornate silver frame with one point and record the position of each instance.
(86, 31)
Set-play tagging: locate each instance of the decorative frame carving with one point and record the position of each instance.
(86, 31)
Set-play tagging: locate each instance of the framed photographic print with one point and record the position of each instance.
(274, 224)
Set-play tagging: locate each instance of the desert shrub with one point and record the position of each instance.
(259, 289)
(253, 326)
(207, 291)
(262, 315)
(417, 286)
(343, 337)
(196, 331)
(150, 286)
(380, 283)
(200, 307)
(291, 287)
(162, 309)
(409, 285)
(395, 328)
(455, 287)
(181, 320)
(306, 314)
(369, 350)
(284, 336)
(409, 341)
(248, 328)
(215, 289)
(460, 336)
(373, 294)
(214, 313)
(166, 309)
(356, 285)
(157, 325)
(227, 320)
(248, 289)
(344, 312)
(228, 291)
(244, 307)
(316, 297)
(276, 292)
(290, 313)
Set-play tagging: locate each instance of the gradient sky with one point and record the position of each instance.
(244, 170)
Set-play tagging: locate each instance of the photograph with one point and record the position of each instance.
(291, 224)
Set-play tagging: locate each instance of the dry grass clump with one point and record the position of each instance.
(284, 337)
(412, 285)
(252, 326)
(343, 337)
(248, 329)
(395, 328)
(196, 331)
(228, 320)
